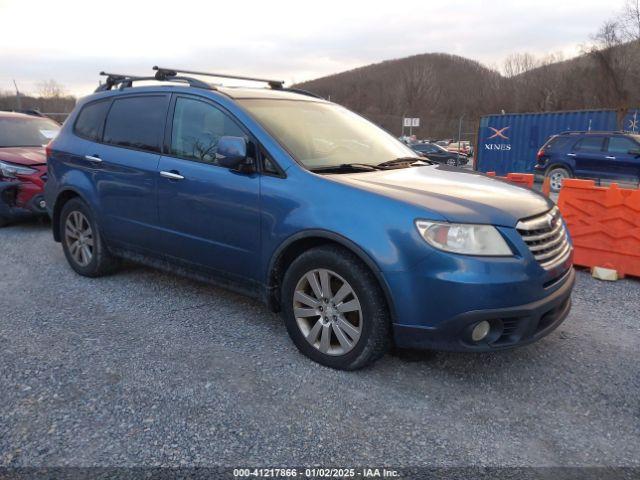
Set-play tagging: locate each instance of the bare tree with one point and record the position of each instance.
(519, 63)
(629, 21)
(612, 63)
(50, 89)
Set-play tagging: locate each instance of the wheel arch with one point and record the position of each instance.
(303, 241)
(63, 197)
(562, 165)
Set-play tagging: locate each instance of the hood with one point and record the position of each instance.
(457, 195)
(27, 156)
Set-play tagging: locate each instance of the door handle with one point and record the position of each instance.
(609, 157)
(93, 158)
(571, 154)
(171, 175)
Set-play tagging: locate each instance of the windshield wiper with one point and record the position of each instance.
(402, 160)
(365, 167)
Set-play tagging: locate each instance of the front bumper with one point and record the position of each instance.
(10, 206)
(510, 327)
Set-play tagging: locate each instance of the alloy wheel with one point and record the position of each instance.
(79, 238)
(555, 179)
(327, 311)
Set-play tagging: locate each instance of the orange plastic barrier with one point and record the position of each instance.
(546, 186)
(604, 223)
(524, 179)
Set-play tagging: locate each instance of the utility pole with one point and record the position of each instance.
(18, 99)
(459, 135)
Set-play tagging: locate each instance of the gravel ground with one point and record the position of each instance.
(144, 368)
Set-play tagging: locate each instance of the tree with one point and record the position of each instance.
(629, 21)
(50, 89)
(612, 58)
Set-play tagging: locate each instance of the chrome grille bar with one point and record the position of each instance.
(546, 237)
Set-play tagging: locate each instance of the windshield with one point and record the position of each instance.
(321, 135)
(26, 132)
(440, 147)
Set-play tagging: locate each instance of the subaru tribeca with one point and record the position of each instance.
(273, 192)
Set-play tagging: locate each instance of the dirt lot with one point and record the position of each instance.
(143, 368)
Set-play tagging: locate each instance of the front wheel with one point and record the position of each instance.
(334, 309)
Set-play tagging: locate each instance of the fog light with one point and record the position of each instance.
(42, 204)
(480, 331)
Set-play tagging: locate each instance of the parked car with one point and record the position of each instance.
(358, 246)
(460, 147)
(439, 154)
(23, 169)
(605, 155)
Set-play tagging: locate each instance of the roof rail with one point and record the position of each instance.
(590, 131)
(274, 84)
(303, 92)
(126, 81)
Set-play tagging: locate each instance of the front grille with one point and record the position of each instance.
(546, 237)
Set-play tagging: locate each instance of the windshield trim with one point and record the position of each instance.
(22, 146)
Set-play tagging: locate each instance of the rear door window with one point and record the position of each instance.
(621, 145)
(590, 144)
(137, 122)
(90, 121)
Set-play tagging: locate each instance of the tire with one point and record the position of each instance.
(556, 176)
(83, 229)
(361, 314)
(3, 222)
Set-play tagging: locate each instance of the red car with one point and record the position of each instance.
(23, 169)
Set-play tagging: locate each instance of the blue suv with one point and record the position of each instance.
(601, 155)
(299, 202)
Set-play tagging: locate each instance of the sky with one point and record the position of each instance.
(72, 41)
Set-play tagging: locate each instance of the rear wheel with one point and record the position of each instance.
(452, 161)
(3, 222)
(82, 243)
(334, 309)
(556, 176)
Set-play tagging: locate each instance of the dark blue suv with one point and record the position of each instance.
(281, 195)
(602, 155)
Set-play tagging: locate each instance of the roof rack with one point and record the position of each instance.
(274, 84)
(126, 81)
(171, 75)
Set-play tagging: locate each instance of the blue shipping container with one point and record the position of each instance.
(631, 121)
(510, 142)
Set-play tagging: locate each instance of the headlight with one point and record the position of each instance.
(11, 170)
(464, 238)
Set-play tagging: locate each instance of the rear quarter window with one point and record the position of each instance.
(90, 121)
(137, 122)
(621, 145)
(558, 143)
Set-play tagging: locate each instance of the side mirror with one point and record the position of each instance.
(635, 151)
(231, 153)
